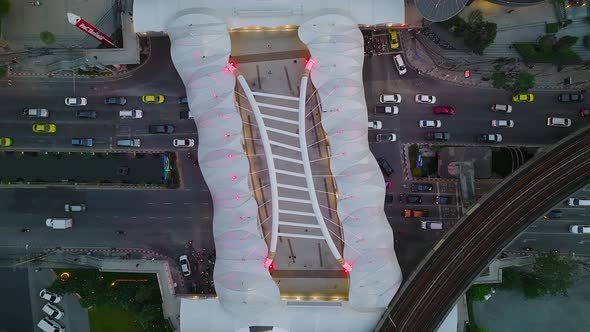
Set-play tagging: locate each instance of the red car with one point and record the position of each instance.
(444, 110)
(584, 112)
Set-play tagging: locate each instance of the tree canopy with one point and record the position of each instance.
(554, 274)
(4, 7)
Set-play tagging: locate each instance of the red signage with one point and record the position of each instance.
(81, 24)
(467, 73)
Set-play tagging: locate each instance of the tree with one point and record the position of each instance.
(47, 37)
(499, 80)
(554, 274)
(523, 82)
(565, 42)
(479, 33)
(3, 71)
(4, 7)
(478, 292)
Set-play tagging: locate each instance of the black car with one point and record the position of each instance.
(185, 115)
(385, 167)
(388, 198)
(161, 129)
(442, 200)
(571, 97)
(86, 114)
(410, 199)
(183, 100)
(553, 214)
(438, 136)
(82, 141)
(115, 101)
(417, 187)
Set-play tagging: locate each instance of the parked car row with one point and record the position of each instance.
(53, 312)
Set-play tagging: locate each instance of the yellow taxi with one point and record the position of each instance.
(153, 99)
(5, 142)
(44, 128)
(523, 98)
(393, 40)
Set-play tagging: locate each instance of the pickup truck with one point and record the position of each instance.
(36, 112)
(409, 213)
(386, 110)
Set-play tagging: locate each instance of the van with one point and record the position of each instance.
(501, 108)
(132, 142)
(431, 225)
(399, 64)
(59, 223)
(131, 114)
(49, 325)
(578, 201)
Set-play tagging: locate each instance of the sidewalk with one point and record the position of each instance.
(427, 58)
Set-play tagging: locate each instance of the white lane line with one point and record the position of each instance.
(134, 217)
(205, 203)
(169, 217)
(115, 217)
(167, 203)
(150, 203)
(151, 217)
(187, 203)
(188, 217)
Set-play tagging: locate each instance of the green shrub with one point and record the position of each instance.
(556, 56)
(587, 41)
(551, 27)
(47, 37)
(565, 42)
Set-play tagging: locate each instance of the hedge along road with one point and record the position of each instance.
(81, 167)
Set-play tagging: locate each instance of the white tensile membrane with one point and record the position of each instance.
(376, 275)
(200, 48)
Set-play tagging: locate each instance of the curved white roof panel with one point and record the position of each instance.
(376, 275)
(200, 48)
(155, 15)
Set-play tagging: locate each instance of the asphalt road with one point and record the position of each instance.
(162, 220)
(473, 116)
(425, 298)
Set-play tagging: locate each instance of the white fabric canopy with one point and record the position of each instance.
(376, 275)
(200, 48)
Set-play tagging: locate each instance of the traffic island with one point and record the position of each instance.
(89, 169)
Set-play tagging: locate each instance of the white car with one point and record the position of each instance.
(558, 122)
(425, 99)
(53, 311)
(49, 296)
(502, 123)
(49, 325)
(131, 114)
(430, 124)
(75, 207)
(580, 229)
(375, 125)
(183, 143)
(185, 265)
(386, 137)
(76, 101)
(394, 98)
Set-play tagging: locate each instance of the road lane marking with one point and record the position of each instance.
(187, 203)
(167, 203)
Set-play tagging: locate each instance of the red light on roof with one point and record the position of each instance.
(306, 60)
(233, 177)
(226, 135)
(467, 73)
